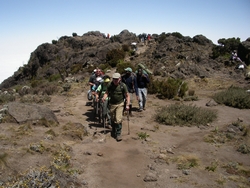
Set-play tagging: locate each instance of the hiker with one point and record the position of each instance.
(133, 44)
(142, 81)
(116, 91)
(94, 77)
(99, 94)
(94, 82)
(235, 57)
(129, 78)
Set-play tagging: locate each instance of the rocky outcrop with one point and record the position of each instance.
(166, 55)
(30, 112)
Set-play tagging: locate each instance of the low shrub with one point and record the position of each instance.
(114, 56)
(5, 98)
(123, 65)
(168, 88)
(234, 96)
(185, 115)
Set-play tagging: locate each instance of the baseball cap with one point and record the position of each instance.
(107, 80)
(116, 75)
(128, 69)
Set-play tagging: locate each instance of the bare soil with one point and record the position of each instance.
(101, 161)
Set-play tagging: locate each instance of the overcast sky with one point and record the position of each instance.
(26, 24)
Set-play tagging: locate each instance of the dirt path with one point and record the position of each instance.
(108, 163)
(100, 161)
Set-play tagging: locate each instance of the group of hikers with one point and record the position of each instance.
(117, 94)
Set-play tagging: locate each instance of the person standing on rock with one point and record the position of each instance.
(117, 91)
(130, 80)
(142, 81)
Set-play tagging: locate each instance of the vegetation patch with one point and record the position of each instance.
(168, 88)
(186, 162)
(235, 97)
(236, 133)
(143, 135)
(185, 115)
(5, 98)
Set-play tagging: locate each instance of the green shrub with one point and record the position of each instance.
(5, 98)
(168, 88)
(177, 34)
(114, 56)
(154, 86)
(179, 114)
(54, 77)
(54, 41)
(226, 47)
(162, 37)
(35, 83)
(235, 97)
(75, 68)
(123, 65)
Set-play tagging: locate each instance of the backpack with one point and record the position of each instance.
(145, 70)
(122, 85)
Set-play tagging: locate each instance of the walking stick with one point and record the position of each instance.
(128, 123)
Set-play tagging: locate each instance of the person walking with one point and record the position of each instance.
(130, 79)
(117, 91)
(94, 82)
(142, 81)
(99, 94)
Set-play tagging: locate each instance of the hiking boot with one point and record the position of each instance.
(119, 138)
(140, 109)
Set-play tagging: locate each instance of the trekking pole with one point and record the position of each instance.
(128, 123)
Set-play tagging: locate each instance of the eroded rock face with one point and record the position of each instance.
(192, 55)
(29, 112)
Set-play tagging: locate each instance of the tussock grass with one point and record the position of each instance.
(185, 115)
(234, 96)
(186, 161)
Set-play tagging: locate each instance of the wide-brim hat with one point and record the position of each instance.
(116, 75)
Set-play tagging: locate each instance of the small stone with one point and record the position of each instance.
(150, 177)
(170, 151)
(87, 153)
(100, 154)
(186, 172)
(173, 176)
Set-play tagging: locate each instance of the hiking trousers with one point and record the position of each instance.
(142, 93)
(116, 111)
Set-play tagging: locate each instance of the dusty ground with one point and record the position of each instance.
(102, 162)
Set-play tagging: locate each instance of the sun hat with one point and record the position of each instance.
(116, 75)
(107, 80)
(128, 69)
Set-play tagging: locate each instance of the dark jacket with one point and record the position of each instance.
(131, 82)
(142, 81)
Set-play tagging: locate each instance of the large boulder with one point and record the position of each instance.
(30, 112)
